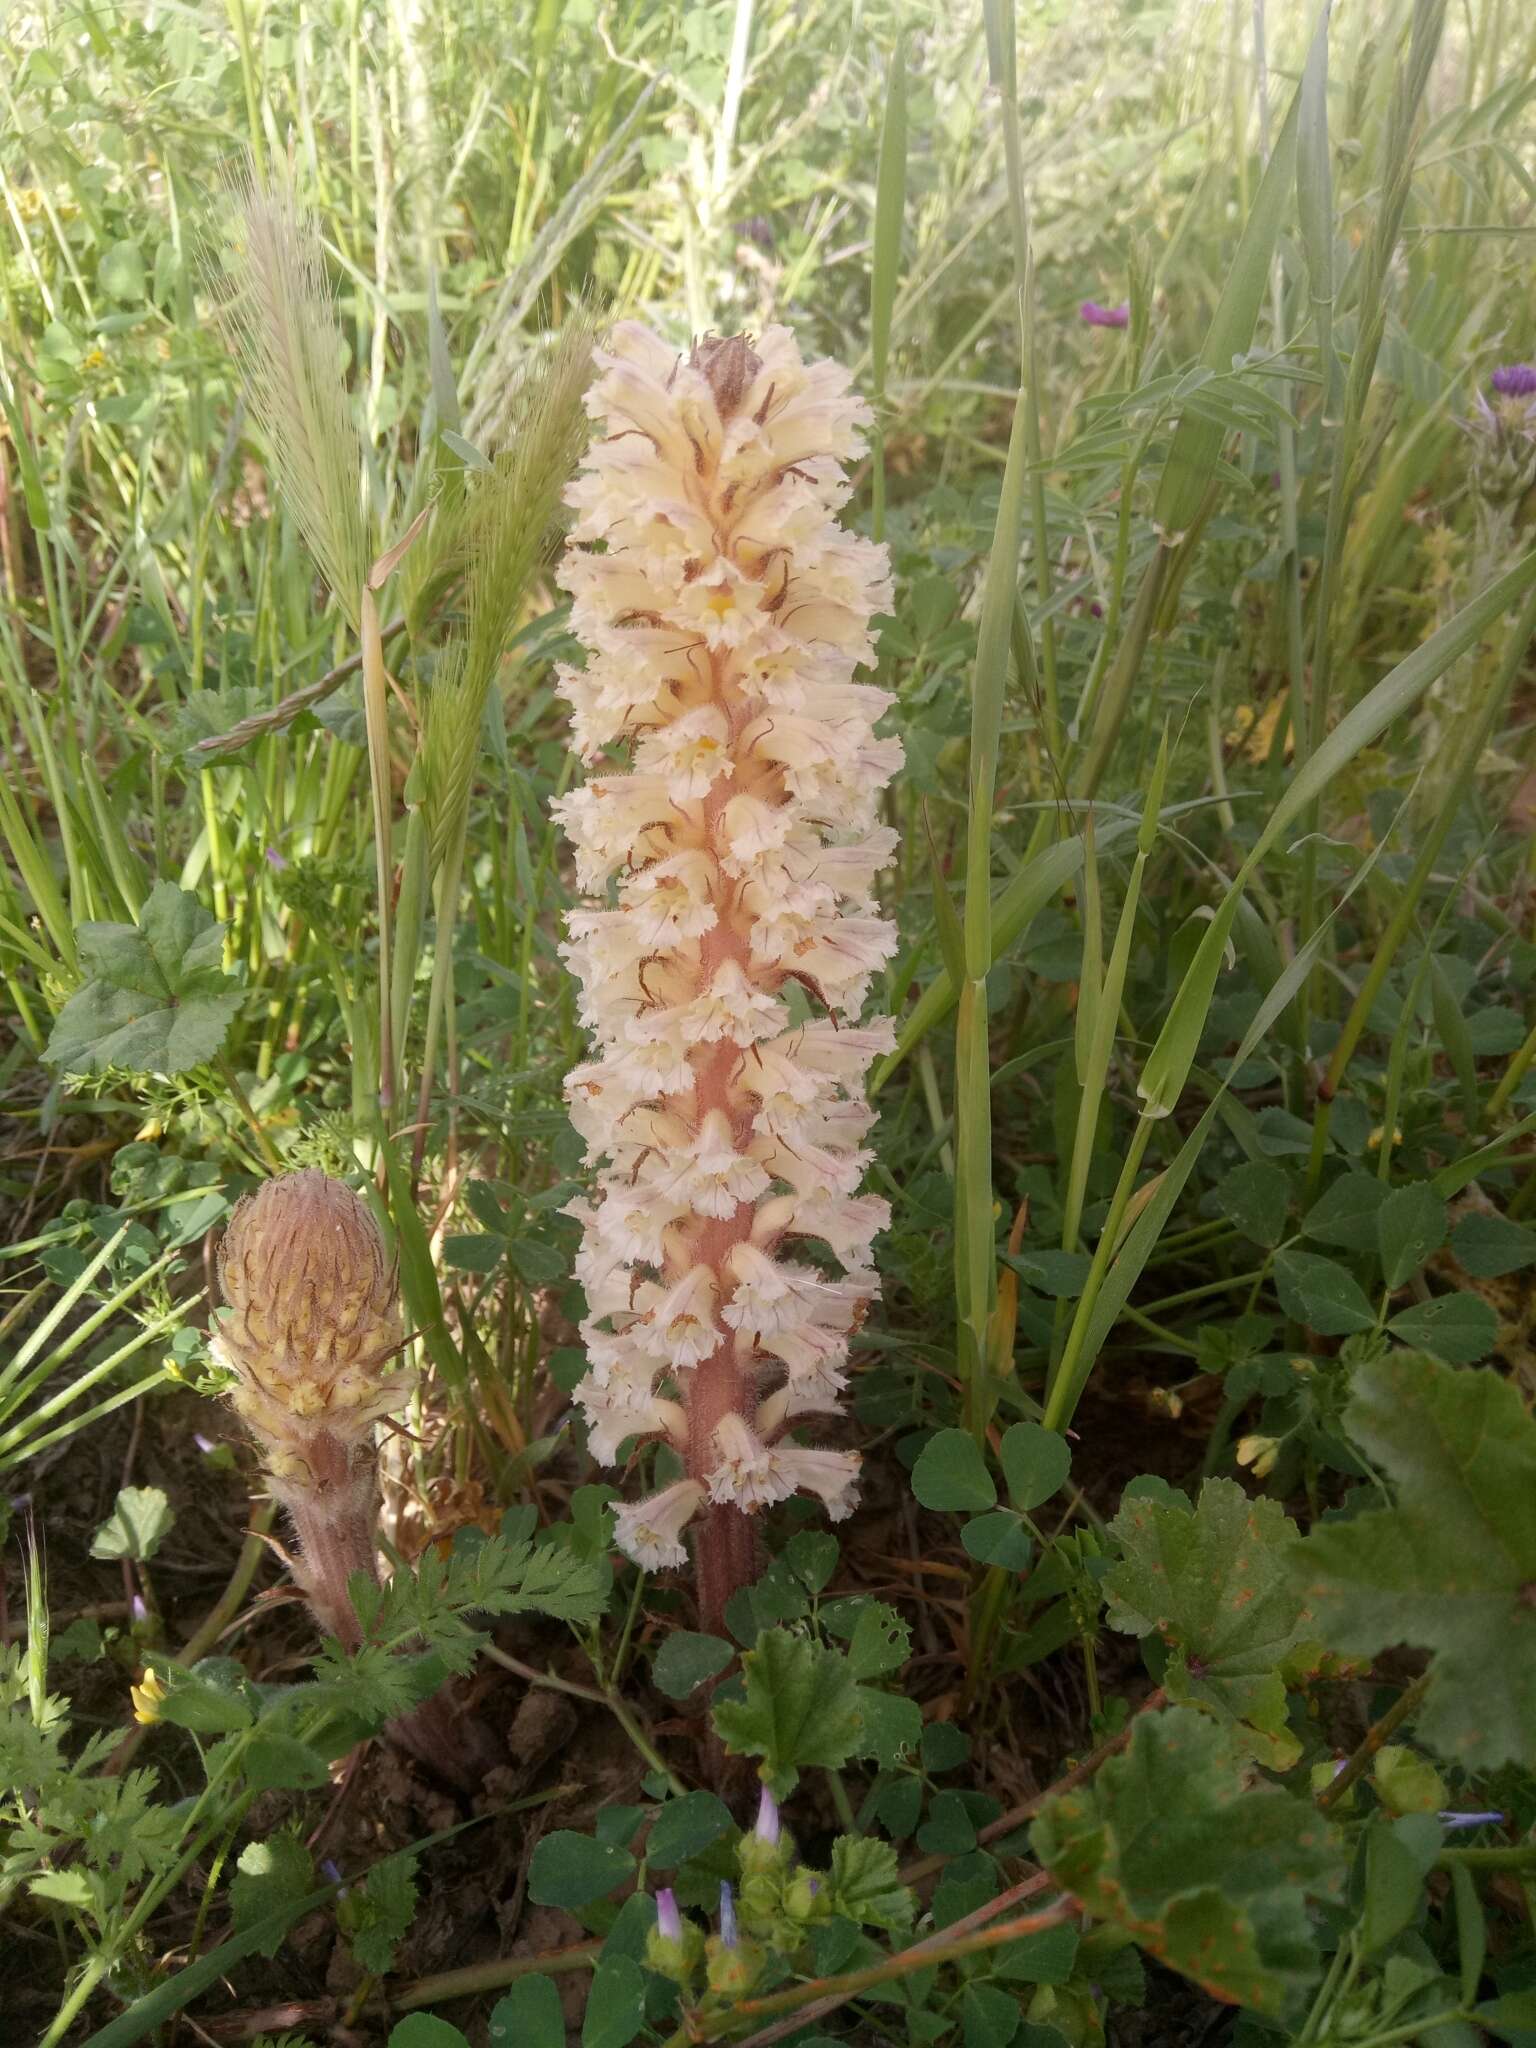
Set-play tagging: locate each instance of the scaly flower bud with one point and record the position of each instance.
(725, 615)
(312, 1324)
(311, 1331)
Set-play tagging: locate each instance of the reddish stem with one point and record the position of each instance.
(725, 1553)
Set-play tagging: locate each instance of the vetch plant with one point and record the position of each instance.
(728, 956)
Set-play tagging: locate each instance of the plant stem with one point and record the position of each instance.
(478, 1977)
(1375, 1736)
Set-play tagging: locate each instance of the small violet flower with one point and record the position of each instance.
(669, 1922)
(727, 1915)
(1105, 316)
(1469, 1820)
(767, 1829)
(1515, 380)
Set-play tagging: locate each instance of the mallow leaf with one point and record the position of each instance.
(156, 998)
(1206, 1870)
(1451, 1567)
(799, 1709)
(865, 1885)
(1214, 1583)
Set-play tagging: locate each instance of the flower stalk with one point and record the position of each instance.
(729, 854)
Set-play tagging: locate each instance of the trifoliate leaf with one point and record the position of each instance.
(156, 999)
(1216, 1586)
(141, 1518)
(1208, 1871)
(864, 1885)
(799, 1709)
(1452, 1566)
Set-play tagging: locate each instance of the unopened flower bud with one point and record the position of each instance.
(674, 1947)
(804, 1899)
(312, 1326)
(767, 1848)
(732, 1968)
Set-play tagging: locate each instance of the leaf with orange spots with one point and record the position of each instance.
(1452, 1566)
(1209, 1871)
(1212, 1582)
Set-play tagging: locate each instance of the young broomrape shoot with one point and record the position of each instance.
(312, 1332)
(724, 964)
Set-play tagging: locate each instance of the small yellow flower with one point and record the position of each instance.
(1373, 1142)
(1254, 731)
(1259, 1453)
(95, 359)
(146, 1698)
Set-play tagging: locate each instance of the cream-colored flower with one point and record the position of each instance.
(729, 833)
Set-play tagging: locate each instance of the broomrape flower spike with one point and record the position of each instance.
(311, 1332)
(728, 840)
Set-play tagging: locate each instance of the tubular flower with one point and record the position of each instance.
(728, 835)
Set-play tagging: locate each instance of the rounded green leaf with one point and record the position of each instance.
(1410, 1225)
(686, 1659)
(1036, 1462)
(572, 1870)
(951, 1474)
(1460, 1328)
(998, 1538)
(530, 2016)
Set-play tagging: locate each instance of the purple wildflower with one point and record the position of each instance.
(1515, 380)
(1469, 1820)
(137, 1610)
(669, 1921)
(767, 1829)
(1105, 316)
(727, 1915)
(275, 859)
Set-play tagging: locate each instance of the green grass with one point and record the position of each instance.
(1211, 650)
